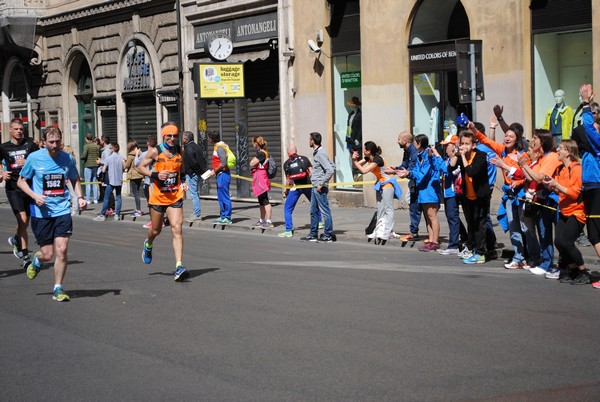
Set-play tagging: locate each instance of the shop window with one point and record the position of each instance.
(346, 87)
(561, 60)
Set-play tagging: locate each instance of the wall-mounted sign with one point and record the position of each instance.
(221, 80)
(350, 79)
(136, 70)
(240, 30)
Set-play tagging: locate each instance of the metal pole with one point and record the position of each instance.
(473, 83)
(220, 103)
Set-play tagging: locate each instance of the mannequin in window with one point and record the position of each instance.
(560, 118)
(354, 132)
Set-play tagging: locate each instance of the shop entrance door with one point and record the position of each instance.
(435, 104)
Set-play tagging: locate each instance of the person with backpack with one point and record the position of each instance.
(261, 184)
(297, 170)
(323, 171)
(222, 161)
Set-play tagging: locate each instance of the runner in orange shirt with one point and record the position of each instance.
(166, 196)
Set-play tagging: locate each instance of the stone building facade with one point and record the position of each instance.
(123, 68)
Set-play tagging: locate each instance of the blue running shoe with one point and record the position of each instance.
(181, 273)
(147, 253)
(59, 295)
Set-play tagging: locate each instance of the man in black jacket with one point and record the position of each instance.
(194, 164)
(476, 193)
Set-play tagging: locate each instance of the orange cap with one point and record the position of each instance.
(450, 139)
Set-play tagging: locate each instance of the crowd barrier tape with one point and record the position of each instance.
(283, 186)
(548, 206)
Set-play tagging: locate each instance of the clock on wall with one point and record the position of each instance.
(219, 46)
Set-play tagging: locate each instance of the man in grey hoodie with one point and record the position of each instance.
(323, 170)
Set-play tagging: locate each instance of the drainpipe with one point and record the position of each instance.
(285, 24)
(179, 67)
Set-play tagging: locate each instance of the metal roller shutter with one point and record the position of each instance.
(109, 123)
(141, 118)
(264, 119)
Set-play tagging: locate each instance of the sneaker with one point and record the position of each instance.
(15, 246)
(582, 278)
(514, 265)
(553, 274)
(538, 271)
(474, 259)
(267, 225)
(60, 295)
(226, 221)
(100, 218)
(33, 266)
(194, 218)
(465, 253)
(258, 224)
(309, 238)
(116, 217)
(596, 285)
(147, 253)
(526, 266)
(449, 251)
(110, 211)
(411, 237)
(325, 239)
(147, 225)
(430, 246)
(181, 273)
(286, 234)
(95, 201)
(135, 214)
(321, 225)
(583, 241)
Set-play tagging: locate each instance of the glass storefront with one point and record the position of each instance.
(561, 60)
(346, 86)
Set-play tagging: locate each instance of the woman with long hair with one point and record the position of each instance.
(508, 152)
(543, 162)
(384, 189)
(260, 181)
(567, 183)
(135, 178)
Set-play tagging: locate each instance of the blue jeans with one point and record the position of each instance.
(514, 227)
(454, 223)
(223, 182)
(414, 212)
(90, 174)
(320, 203)
(107, 193)
(547, 219)
(192, 182)
(290, 204)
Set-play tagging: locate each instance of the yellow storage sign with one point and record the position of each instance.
(221, 81)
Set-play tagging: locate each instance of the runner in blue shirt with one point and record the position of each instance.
(49, 169)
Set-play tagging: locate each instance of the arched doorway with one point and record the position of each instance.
(438, 29)
(85, 106)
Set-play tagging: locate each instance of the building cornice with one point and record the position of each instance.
(93, 11)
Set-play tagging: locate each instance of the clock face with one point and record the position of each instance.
(219, 46)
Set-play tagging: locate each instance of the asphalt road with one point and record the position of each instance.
(269, 319)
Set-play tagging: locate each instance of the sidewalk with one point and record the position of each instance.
(348, 223)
